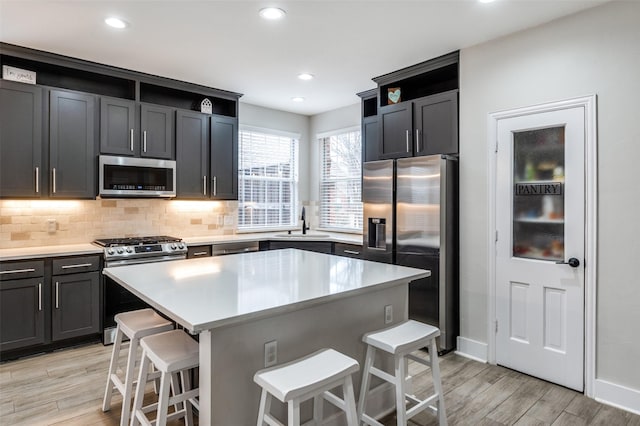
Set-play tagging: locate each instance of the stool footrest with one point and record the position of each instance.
(271, 421)
(382, 374)
(420, 360)
(370, 420)
(421, 405)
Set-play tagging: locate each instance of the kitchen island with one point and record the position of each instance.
(304, 301)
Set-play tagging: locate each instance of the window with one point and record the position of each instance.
(340, 186)
(267, 180)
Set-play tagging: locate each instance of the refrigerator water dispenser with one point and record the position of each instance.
(377, 233)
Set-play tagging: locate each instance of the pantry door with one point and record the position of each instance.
(540, 223)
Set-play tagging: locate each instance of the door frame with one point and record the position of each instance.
(588, 103)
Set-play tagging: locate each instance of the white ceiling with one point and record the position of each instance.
(224, 44)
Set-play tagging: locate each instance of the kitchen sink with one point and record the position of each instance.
(301, 235)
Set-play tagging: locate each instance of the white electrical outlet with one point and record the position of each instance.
(271, 353)
(388, 314)
(52, 226)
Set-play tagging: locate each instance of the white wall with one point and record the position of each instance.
(593, 52)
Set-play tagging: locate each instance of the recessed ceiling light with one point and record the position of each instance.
(115, 22)
(298, 99)
(272, 13)
(305, 76)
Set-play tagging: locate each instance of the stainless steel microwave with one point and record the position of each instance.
(136, 177)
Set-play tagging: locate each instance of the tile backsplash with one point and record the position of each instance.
(30, 223)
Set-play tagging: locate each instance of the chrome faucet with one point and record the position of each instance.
(303, 218)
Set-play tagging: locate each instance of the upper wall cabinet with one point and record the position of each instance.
(72, 145)
(224, 158)
(413, 111)
(133, 114)
(21, 165)
(192, 155)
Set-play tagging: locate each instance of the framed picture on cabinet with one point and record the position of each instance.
(393, 95)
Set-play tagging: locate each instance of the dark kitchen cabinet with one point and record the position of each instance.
(370, 138)
(317, 246)
(148, 134)
(199, 251)
(22, 304)
(435, 121)
(424, 126)
(72, 145)
(395, 129)
(347, 250)
(76, 305)
(75, 299)
(224, 158)
(192, 155)
(21, 164)
(118, 129)
(156, 127)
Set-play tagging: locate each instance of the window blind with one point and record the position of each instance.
(267, 180)
(340, 185)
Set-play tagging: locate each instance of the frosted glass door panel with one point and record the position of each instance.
(538, 198)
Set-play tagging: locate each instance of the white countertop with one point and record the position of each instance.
(207, 293)
(88, 248)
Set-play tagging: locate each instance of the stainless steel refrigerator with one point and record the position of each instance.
(411, 219)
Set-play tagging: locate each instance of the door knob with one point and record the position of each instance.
(573, 262)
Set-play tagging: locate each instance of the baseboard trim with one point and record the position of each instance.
(617, 396)
(472, 349)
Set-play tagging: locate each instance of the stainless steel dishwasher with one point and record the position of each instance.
(220, 249)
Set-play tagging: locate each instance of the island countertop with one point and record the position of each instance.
(206, 293)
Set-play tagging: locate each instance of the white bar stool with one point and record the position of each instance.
(312, 376)
(171, 353)
(135, 325)
(400, 341)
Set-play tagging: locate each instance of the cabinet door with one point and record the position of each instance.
(395, 131)
(370, 139)
(21, 313)
(156, 127)
(224, 158)
(76, 305)
(21, 136)
(435, 119)
(347, 250)
(72, 145)
(118, 131)
(199, 251)
(192, 155)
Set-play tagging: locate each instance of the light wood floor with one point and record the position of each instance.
(66, 388)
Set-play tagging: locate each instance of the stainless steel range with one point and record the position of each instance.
(131, 251)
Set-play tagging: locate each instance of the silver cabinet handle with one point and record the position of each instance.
(53, 172)
(39, 296)
(215, 186)
(417, 140)
(351, 252)
(37, 179)
(79, 265)
(144, 141)
(204, 185)
(16, 271)
(57, 294)
(408, 142)
(200, 253)
(131, 139)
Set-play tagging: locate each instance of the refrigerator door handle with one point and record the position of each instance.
(408, 147)
(417, 140)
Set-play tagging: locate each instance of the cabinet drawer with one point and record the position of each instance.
(349, 250)
(21, 269)
(198, 251)
(73, 265)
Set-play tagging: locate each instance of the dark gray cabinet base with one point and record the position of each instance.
(76, 308)
(21, 313)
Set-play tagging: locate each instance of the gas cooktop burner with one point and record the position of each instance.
(134, 241)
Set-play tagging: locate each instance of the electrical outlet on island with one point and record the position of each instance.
(271, 353)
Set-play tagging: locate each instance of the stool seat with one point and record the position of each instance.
(171, 351)
(313, 376)
(141, 323)
(406, 337)
(298, 377)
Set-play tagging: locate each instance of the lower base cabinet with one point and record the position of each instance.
(76, 305)
(21, 313)
(48, 303)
